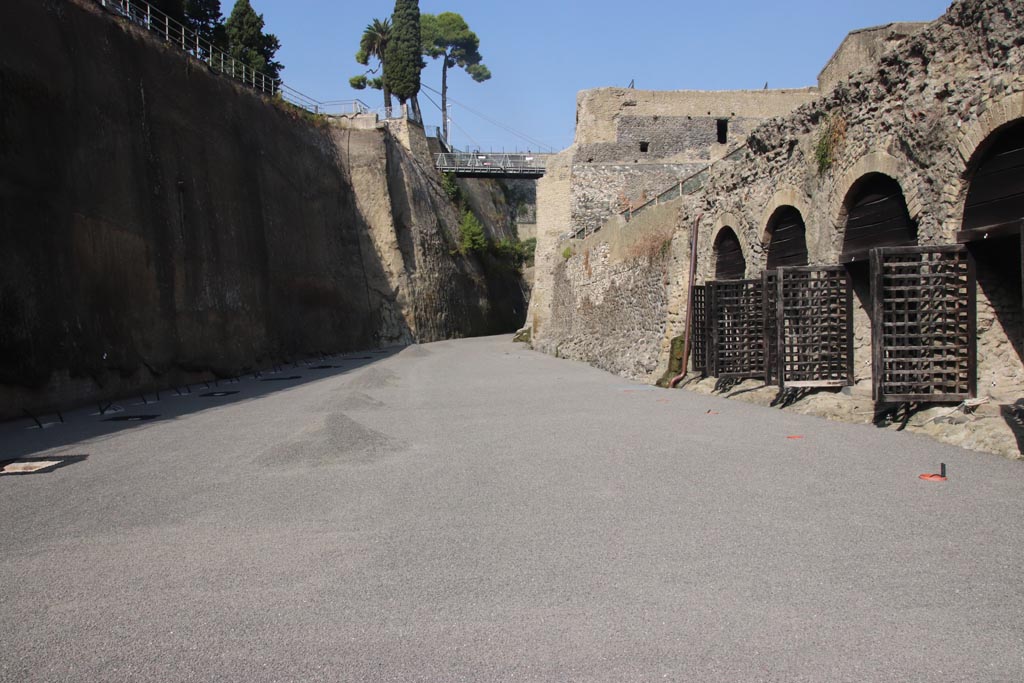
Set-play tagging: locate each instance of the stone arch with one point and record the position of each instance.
(785, 238)
(726, 222)
(872, 163)
(991, 206)
(730, 263)
(972, 143)
(786, 196)
(994, 183)
(875, 213)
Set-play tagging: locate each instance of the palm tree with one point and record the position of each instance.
(373, 44)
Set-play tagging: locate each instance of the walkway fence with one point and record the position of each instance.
(475, 164)
(686, 186)
(145, 16)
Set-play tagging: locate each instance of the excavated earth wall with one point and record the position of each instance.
(161, 224)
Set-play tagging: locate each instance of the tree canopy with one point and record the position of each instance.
(204, 17)
(373, 45)
(404, 51)
(249, 44)
(447, 36)
(175, 9)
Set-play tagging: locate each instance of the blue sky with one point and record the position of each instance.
(542, 52)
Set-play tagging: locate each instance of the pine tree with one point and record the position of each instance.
(403, 58)
(373, 45)
(447, 35)
(204, 17)
(175, 9)
(249, 44)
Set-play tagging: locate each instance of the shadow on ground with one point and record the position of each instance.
(40, 433)
(1013, 415)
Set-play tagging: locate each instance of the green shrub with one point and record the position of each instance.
(471, 234)
(830, 141)
(507, 249)
(567, 253)
(529, 249)
(516, 252)
(451, 188)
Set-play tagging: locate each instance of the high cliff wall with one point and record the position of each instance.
(161, 224)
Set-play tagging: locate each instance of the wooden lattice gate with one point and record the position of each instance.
(924, 324)
(699, 331)
(771, 330)
(814, 320)
(736, 325)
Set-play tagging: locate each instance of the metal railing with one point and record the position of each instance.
(439, 134)
(172, 32)
(475, 164)
(341, 108)
(684, 187)
(681, 188)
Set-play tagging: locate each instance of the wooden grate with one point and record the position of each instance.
(814, 309)
(924, 314)
(709, 330)
(736, 321)
(769, 281)
(698, 331)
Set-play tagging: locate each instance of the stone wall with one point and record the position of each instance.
(861, 50)
(611, 295)
(600, 191)
(920, 118)
(554, 218)
(599, 111)
(160, 223)
(632, 144)
(920, 115)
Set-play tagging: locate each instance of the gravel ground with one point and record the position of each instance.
(471, 510)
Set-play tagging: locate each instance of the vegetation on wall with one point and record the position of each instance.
(451, 188)
(471, 234)
(506, 252)
(529, 249)
(829, 141)
(651, 246)
(515, 252)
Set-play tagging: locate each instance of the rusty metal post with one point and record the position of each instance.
(689, 305)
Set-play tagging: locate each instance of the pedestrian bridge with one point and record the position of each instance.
(492, 165)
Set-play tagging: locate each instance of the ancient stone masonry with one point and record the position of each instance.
(610, 300)
(862, 48)
(161, 224)
(912, 120)
(631, 144)
(918, 118)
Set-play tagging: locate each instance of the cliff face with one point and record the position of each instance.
(159, 223)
